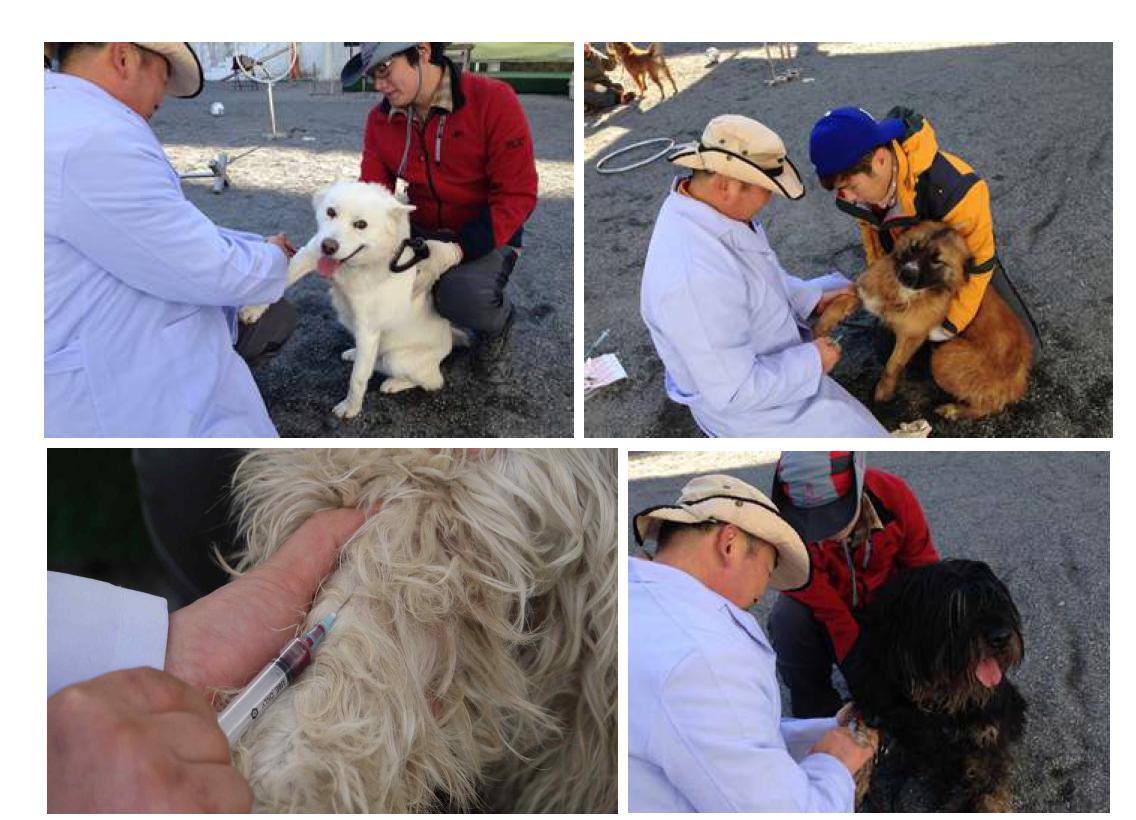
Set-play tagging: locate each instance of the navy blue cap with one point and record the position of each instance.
(369, 56)
(844, 135)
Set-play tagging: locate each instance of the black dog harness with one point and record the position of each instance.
(419, 250)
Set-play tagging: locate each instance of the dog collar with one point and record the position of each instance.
(419, 250)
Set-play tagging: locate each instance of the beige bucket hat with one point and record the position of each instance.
(730, 500)
(743, 149)
(186, 77)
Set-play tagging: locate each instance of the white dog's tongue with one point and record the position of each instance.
(327, 266)
(988, 672)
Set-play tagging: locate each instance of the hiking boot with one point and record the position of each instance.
(491, 355)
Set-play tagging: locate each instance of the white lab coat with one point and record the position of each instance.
(140, 288)
(94, 627)
(704, 730)
(731, 327)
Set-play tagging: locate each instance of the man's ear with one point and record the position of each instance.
(120, 55)
(879, 159)
(726, 542)
(723, 184)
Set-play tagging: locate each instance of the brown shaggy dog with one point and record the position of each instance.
(985, 368)
(640, 62)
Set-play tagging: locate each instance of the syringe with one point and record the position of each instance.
(272, 680)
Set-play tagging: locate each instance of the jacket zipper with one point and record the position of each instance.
(852, 571)
(426, 162)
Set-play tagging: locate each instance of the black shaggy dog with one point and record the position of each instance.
(938, 642)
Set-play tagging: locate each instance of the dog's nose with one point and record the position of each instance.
(329, 247)
(909, 274)
(999, 637)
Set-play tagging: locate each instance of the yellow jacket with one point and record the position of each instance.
(932, 184)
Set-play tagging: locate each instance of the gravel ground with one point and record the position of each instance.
(271, 193)
(1034, 119)
(1059, 578)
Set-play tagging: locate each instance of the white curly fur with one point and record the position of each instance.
(475, 666)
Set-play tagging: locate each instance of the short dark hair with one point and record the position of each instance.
(437, 53)
(862, 166)
(67, 51)
(669, 529)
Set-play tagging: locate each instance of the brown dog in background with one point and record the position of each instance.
(985, 368)
(640, 62)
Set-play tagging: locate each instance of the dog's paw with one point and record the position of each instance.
(347, 409)
(885, 390)
(395, 385)
(348, 355)
(949, 411)
(447, 253)
(250, 314)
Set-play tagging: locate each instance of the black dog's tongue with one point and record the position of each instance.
(988, 672)
(327, 266)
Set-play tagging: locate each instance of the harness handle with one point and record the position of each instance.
(419, 250)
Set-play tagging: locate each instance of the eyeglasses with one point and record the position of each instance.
(382, 69)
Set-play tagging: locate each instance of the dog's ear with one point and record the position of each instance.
(404, 207)
(318, 196)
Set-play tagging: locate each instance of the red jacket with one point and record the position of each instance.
(904, 542)
(479, 181)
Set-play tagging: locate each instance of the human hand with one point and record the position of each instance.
(829, 353)
(225, 638)
(828, 297)
(281, 241)
(138, 740)
(941, 334)
(849, 749)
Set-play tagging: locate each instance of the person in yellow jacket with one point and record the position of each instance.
(890, 174)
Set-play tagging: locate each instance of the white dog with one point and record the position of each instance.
(380, 288)
(475, 665)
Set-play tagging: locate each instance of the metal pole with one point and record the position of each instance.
(271, 112)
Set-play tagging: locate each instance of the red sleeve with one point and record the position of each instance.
(511, 167)
(372, 168)
(829, 608)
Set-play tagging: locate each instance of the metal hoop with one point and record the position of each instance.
(264, 77)
(666, 148)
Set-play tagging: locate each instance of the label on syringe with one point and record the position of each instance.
(267, 701)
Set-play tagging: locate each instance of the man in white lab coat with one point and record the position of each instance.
(140, 288)
(705, 731)
(730, 325)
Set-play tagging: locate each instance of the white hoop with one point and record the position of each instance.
(670, 143)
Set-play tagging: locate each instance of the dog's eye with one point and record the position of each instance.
(360, 224)
(331, 212)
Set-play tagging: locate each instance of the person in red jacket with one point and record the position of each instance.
(861, 527)
(461, 143)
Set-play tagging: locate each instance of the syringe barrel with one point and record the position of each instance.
(264, 688)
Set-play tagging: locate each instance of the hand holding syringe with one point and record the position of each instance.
(263, 690)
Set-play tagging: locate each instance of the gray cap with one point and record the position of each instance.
(370, 55)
